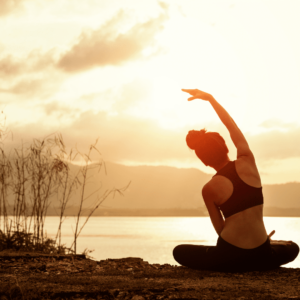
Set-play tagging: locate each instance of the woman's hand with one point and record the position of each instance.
(270, 234)
(278, 242)
(197, 94)
(235, 133)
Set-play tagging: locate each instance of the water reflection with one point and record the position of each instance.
(153, 238)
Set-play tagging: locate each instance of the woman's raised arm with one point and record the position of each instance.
(236, 135)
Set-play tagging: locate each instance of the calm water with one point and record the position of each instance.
(153, 238)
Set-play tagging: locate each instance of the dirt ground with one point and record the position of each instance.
(34, 276)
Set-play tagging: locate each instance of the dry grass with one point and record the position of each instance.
(30, 176)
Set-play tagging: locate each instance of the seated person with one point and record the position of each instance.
(236, 191)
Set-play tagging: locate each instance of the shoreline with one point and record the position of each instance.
(170, 212)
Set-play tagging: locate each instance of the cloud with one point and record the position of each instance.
(10, 67)
(126, 138)
(26, 86)
(129, 95)
(121, 137)
(105, 46)
(34, 62)
(57, 108)
(277, 124)
(276, 144)
(9, 6)
(34, 73)
(41, 86)
(30, 75)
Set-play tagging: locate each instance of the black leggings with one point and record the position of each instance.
(227, 257)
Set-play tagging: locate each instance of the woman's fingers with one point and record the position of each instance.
(272, 233)
(281, 242)
(192, 98)
(191, 92)
(188, 90)
(197, 94)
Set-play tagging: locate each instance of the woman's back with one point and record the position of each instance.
(240, 194)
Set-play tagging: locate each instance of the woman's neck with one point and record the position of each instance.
(222, 165)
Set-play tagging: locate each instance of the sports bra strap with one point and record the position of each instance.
(243, 197)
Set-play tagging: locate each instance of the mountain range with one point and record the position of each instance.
(164, 189)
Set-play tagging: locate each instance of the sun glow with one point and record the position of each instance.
(127, 73)
(187, 64)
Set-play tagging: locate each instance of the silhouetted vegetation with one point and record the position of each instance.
(30, 176)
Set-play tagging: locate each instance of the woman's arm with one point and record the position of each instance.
(216, 217)
(235, 133)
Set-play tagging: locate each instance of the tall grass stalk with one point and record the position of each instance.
(83, 178)
(30, 178)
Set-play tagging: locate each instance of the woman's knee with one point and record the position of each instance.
(293, 251)
(285, 253)
(178, 252)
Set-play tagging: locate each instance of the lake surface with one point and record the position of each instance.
(153, 238)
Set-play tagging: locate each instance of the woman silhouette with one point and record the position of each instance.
(236, 190)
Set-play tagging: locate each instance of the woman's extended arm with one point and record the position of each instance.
(235, 133)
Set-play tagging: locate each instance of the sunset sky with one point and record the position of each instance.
(114, 69)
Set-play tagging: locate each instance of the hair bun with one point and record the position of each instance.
(194, 138)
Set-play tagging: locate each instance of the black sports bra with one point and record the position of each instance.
(244, 196)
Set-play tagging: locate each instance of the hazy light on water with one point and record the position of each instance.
(153, 238)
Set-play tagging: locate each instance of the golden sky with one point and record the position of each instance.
(114, 69)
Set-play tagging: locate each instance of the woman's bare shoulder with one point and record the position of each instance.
(218, 189)
(246, 164)
(247, 171)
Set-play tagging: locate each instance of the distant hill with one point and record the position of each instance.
(282, 195)
(157, 187)
(161, 188)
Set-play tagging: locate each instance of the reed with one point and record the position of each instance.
(83, 179)
(30, 177)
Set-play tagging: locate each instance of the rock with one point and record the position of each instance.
(114, 292)
(16, 292)
(137, 297)
(42, 268)
(121, 294)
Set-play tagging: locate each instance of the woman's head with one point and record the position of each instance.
(210, 147)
